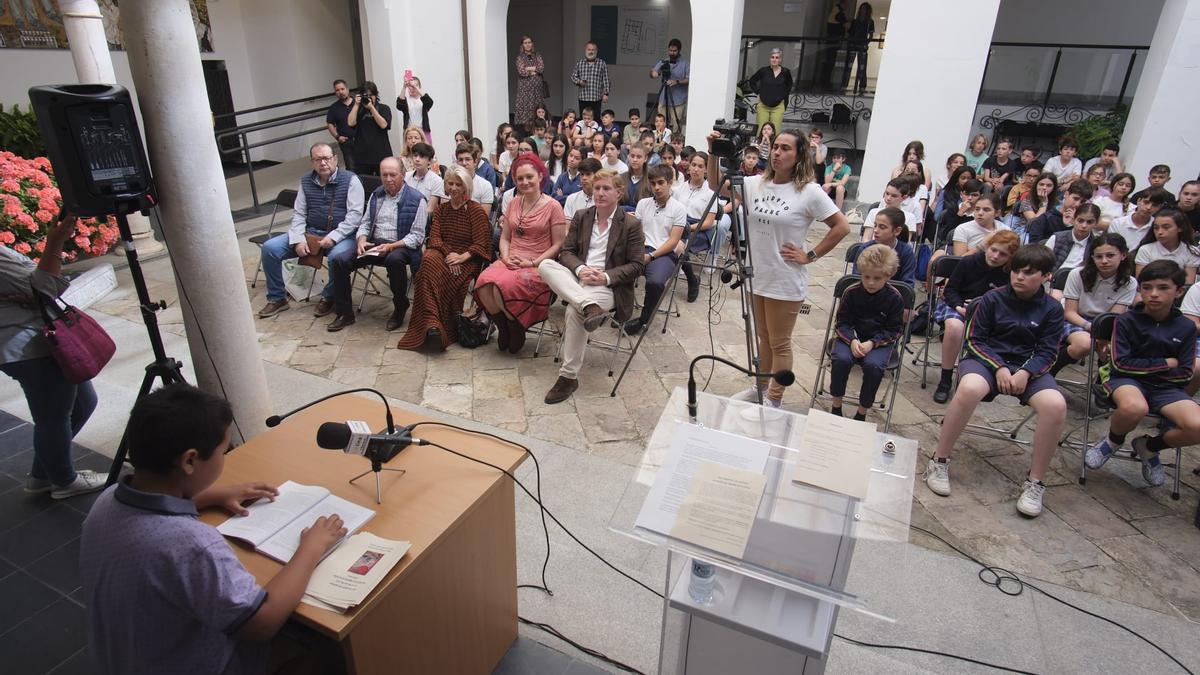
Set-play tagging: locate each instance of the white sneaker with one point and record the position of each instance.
(85, 481)
(772, 403)
(1030, 502)
(937, 477)
(37, 486)
(750, 395)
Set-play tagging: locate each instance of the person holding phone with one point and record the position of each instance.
(414, 105)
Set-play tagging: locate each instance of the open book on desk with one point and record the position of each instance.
(274, 528)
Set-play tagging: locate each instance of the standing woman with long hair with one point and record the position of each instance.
(782, 204)
(529, 83)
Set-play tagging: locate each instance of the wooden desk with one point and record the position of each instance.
(450, 606)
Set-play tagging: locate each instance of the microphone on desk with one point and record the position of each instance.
(274, 420)
(783, 377)
(379, 447)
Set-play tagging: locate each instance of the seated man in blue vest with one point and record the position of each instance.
(391, 234)
(329, 204)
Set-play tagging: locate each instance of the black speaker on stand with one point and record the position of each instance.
(93, 143)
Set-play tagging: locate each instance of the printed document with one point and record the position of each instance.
(835, 453)
(718, 511)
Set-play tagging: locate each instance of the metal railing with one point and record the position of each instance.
(244, 147)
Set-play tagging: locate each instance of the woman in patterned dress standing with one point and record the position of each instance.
(460, 242)
(529, 83)
(510, 290)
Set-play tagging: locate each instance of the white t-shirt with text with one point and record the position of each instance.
(778, 214)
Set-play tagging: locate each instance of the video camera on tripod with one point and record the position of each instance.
(735, 136)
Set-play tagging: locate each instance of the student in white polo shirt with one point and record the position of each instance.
(663, 221)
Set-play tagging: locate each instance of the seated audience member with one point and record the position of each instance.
(164, 591)
(696, 195)
(479, 189)
(836, 176)
(963, 212)
(953, 162)
(566, 126)
(1109, 160)
(1191, 309)
(1000, 169)
(765, 140)
(637, 187)
(1170, 239)
(540, 143)
(1070, 246)
(569, 181)
(1056, 220)
(600, 259)
(1030, 198)
(1135, 226)
(460, 242)
(1189, 202)
(890, 231)
(976, 153)
(612, 158)
(582, 199)
(526, 146)
(662, 133)
(918, 195)
(1095, 178)
(483, 167)
(510, 290)
(503, 131)
(1152, 354)
(412, 137)
(595, 147)
(610, 128)
(969, 236)
(870, 319)
(505, 159)
(1160, 175)
(556, 161)
(331, 214)
(1029, 158)
(1065, 166)
(391, 235)
(816, 147)
(633, 131)
(663, 222)
(1013, 341)
(667, 155)
(1103, 284)
(950, 196)
(894, 194)
(423, 177)
(647, 141)
(750, 161)
(587, 127)
(1116, 203)
(974, 275)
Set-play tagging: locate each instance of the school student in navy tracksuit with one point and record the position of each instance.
(889, 230)
(1012, 340)
(1153, 353)
(870, 318)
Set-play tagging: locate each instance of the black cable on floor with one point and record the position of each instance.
(586, 650)
(933, 652)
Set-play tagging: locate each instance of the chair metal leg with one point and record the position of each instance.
(312, 283)
(1178, 470)
(367, 286)
(257, 271)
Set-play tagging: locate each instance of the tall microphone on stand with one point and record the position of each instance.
(783, 377)
(274, 420)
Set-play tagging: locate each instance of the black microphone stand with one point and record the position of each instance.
(274, 420)
(377, 468)
(784, 377)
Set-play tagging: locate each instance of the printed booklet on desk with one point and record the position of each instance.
(346, 577)
(274, 528)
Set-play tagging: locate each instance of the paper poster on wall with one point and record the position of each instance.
(642, 35)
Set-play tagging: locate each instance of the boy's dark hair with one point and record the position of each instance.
(1082, 188)
(1067, 142)
(468, 148)
(609, 112)
(838, 153)
(423, 150)
(589, 165)
(539, 123)
(902, 184)
(894, 216)
(686, 153)
(1037, 256)
(1112, 146)
(1157, 196)
(662, 171)
(1163, 269)
(753, 149)
(1033, 149)
(645, 135)
(1161, 168)
(973, 185)
(634, 112)
(1035, 164)
(172, 420)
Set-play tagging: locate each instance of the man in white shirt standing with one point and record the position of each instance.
(600, 259)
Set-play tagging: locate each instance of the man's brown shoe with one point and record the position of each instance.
(324, 308)
(274, 307)
(340, 322)
(594, 316)
(561, 390)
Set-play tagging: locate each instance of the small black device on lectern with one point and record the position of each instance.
(93, 143)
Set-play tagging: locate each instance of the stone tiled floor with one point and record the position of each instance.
(1116, 537)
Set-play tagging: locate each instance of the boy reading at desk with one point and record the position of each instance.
(1012, 340)
(1153, 351)
(165, 592)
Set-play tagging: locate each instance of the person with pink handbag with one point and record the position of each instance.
(59, 407)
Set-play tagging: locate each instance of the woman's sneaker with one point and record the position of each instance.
(1030, 502)
(85, 481)
(37, 486)
(937, 477)
(1152, 469)
(1098, 453)
(750, 395)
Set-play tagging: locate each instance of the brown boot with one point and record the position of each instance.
(594, 316)
(561, 390)
(324, 308)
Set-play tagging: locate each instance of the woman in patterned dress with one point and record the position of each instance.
(510, 290)
(529, 83)
(460, 242)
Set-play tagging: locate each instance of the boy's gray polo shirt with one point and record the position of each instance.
(165, 593)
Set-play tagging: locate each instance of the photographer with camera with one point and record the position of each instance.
(336, 122)
(372, 120)
(781, 205)
(674, 72)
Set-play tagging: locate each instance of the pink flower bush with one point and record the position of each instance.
(29, 205)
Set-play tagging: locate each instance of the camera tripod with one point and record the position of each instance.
(664, 95)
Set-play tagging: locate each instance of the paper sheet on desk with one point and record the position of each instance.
(835, 454)
(718, 512)
(692, 447)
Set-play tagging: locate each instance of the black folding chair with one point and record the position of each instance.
(285, 199)
(943, 267)
(895, 361)
(852, 255)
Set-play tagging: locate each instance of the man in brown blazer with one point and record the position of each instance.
(600, 259)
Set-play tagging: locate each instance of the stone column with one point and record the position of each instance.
(1161, 127)
(924, 37)
(165, 61)
(715, 41)
(93, 65)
